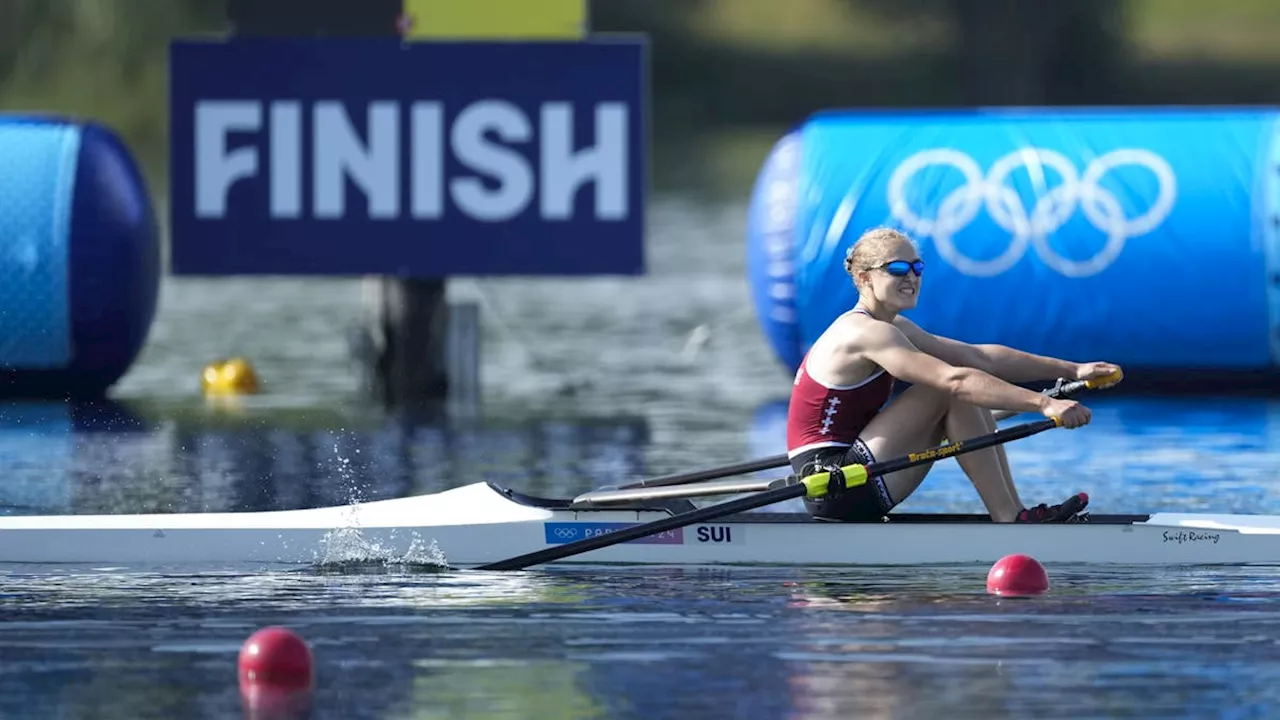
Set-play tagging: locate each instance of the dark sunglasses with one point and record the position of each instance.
(899, 268)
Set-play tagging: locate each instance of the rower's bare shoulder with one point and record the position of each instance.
(870, 332)
(855, 334)
(910, 330)
(905, 324)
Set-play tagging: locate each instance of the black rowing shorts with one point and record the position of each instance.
(867, 502)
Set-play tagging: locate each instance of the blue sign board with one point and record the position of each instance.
(374, 156)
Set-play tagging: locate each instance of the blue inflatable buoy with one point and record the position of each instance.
(1149, 237)
(79, 258)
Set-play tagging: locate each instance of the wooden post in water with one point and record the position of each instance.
(404, 344)
(416, 325)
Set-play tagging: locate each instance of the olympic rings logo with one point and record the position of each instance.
(566, 533)
(1052, 209)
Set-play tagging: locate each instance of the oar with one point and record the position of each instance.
(1060, 389)
(813, 486)
(768, 463)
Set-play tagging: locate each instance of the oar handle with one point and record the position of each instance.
(1064, 389)
(1105, 381)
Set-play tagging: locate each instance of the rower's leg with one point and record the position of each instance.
(911, 422)
(921, 417)
(990, 422)
(988, 468)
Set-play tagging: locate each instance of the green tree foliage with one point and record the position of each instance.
(105, 60)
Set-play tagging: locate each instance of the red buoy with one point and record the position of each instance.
(276, 656)
(1017, 575)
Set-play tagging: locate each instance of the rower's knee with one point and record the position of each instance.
(931, 396)
(936, 402)
(962, 408)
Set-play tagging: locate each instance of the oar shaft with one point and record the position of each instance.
(814, 484)
(652, 528)
(1059, 390)
(769, 463)
(604, 496)
(683, 490)
(959, 447)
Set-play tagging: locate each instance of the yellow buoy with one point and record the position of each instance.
(232, 376)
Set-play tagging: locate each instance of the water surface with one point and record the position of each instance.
(590, 382)
(655, 643)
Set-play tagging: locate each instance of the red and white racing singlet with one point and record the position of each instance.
(832, 416)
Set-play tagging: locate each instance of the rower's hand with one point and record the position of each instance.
(1071, 413)
(1108, 373)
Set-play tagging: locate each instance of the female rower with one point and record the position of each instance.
(838, 414)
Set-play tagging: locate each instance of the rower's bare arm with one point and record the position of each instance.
(1018, 366)
(888, 347)
(1008, 364)
(952, 352)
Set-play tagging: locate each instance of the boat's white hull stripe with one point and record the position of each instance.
(474, 525)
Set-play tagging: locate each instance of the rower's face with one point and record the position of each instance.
(896, 281)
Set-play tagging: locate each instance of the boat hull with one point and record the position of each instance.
(479, 524)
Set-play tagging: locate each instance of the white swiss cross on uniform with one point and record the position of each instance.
(830, 412)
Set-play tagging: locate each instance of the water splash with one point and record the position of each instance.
(348, 473)
(348, 549)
